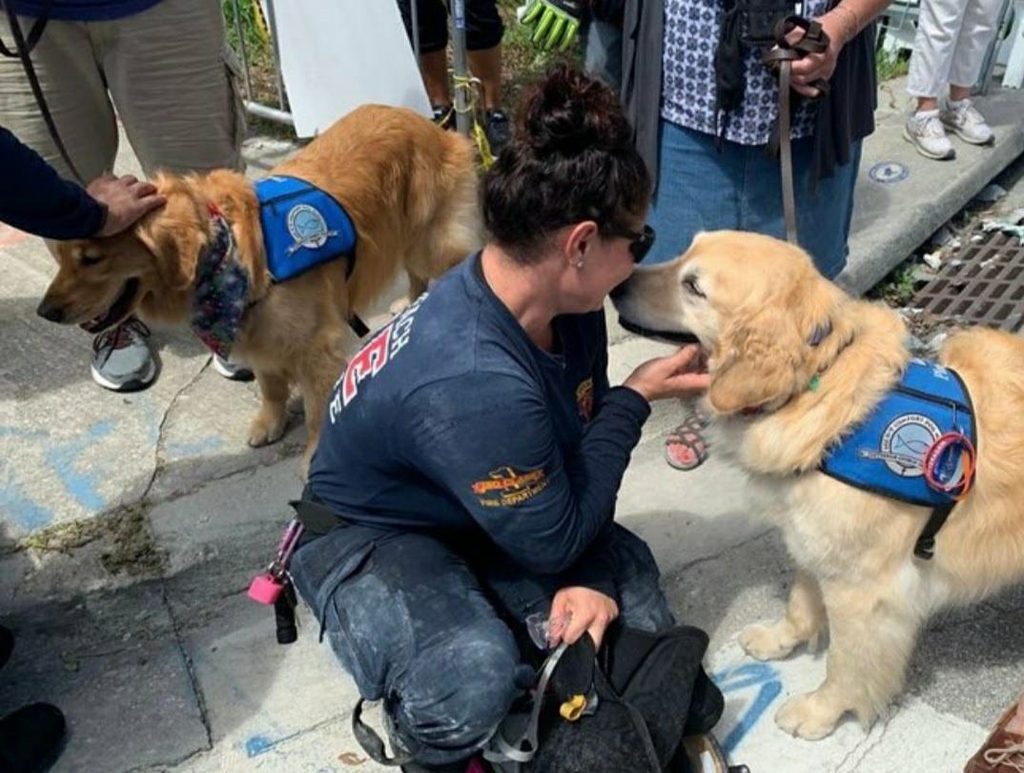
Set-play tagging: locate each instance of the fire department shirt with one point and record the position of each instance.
(451, 420)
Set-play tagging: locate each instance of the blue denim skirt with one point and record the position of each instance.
(702, 188)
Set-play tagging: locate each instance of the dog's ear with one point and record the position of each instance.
(175, 235)
(759, 363)
(823, 328)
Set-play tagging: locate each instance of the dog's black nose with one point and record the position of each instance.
(618, 291)
(51, 311)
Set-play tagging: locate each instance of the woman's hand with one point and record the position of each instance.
(126, 199)
(840, 29)
(683, 374)
(576, 611)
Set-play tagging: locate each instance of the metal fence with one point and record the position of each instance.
(280, 112)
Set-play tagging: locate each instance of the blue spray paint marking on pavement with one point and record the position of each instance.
(15, 504)
(739, 678)
(18, 507)
(258, 744)
(64, 458)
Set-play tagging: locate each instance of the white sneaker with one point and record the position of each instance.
(924, 131)
(232, 371)
(963, 119)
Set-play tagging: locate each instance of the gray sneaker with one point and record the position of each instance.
(925, 132)
(121, 359)
(963, 119)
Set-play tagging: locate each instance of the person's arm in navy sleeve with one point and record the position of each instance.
(35, 199)
(488, 439)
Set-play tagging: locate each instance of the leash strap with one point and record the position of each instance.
(22, 50)
(780, 58)
(925, 546)
(372, 743)
(358, 326)
(524, 748)
(33, 35)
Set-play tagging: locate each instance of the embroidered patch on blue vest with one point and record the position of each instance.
(303, 226)
(886, 453)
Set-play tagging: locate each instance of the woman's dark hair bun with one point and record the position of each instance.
(569, 112)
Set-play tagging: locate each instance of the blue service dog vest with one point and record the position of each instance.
(303, 227)
(885, 454)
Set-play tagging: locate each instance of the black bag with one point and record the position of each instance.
(625, 708)
(757, 20)
(746, 25)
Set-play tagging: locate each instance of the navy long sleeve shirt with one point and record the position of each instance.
(451, 420)
(34, 198)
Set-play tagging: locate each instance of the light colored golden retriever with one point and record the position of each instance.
(411, 191)
(780, 402)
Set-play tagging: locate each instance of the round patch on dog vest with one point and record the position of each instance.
(307, 226)
(905, 442)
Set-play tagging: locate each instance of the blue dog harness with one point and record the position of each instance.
(921, 423)
(304, 226)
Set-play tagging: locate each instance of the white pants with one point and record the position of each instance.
(949, 48)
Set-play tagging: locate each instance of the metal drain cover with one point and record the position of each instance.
(982, 284)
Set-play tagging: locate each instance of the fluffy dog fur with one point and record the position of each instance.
(411, 191)
(755, 303)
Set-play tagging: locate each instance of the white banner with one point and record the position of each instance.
(339, 54)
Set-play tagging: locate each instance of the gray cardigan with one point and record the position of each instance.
(643, 29)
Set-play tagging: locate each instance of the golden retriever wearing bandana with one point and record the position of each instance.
(411, 192)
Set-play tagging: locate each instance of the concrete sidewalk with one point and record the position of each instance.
(131, 525)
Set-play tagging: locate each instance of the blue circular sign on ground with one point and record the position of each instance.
(888, 172)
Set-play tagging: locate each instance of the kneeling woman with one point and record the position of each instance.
(474, 448)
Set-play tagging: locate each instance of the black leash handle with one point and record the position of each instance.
(23, 50)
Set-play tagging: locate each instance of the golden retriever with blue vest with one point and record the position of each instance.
(798, 370)
(238, 261)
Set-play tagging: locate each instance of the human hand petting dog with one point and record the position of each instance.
(126, 199)
(577, 610)
(683, 374)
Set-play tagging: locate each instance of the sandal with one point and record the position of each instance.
(685, 447)
(1002, 752)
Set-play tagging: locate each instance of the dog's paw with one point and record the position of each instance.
(767, 642)
(264, 432)
(810, 716)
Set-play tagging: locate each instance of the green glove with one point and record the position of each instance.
(555, 22)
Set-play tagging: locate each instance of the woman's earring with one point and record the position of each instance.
(579, 264)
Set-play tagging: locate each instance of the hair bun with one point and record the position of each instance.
(569, 112)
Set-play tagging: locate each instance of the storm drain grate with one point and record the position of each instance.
(982, 284)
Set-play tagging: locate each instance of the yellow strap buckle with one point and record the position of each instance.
(573, 708)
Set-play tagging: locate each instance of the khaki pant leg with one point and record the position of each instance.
(73, 88)
(174, 83)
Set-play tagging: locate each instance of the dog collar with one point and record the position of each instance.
(221, 291)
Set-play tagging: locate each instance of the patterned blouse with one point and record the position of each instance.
(688, 83)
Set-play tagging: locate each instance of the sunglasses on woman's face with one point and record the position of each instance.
(640, 242)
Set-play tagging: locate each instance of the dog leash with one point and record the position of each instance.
(814, 40)
(22, 50)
